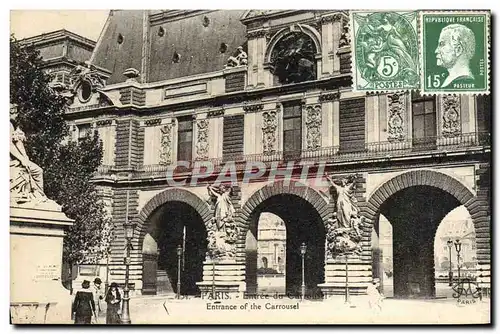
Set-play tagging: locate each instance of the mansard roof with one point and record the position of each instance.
(164, 45)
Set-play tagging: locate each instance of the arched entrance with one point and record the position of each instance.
(415, 203)
(303, 210)
(175, 217)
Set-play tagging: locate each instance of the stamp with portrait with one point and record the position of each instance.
(454, 52)
(384, 51)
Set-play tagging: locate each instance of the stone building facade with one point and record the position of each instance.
(172, 95)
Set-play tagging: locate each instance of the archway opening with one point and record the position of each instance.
(298, 223)
(410, 219)
(172, 225)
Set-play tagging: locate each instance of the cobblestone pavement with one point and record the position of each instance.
(167, 310)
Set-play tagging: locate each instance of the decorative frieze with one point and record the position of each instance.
(166, 144)
(269, 127)
(215, 113)
(329, 97)
(253, 107)
(202, 139)
(104, 122)
(152, 122)
(313, 126)
(451, 115)
(396, 110)
(258, 34)
(331, 18)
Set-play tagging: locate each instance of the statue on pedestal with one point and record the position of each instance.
(26, 177)
(344, 229)
(222, 231)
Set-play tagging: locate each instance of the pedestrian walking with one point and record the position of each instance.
(83, 306)
(113, 300)
(374, 296)
(98, 296)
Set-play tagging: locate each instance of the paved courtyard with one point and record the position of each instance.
(167, 310)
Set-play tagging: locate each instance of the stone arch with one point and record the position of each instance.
(171, 195)
(422, 177)
(294, 187)
(304, 28)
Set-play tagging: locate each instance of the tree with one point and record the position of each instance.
(445, 265)
(68, 166)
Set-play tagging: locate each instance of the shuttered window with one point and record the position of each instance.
(185, 139)
(292, 129)
(232, 142)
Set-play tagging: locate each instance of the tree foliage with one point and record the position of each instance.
(68, 166)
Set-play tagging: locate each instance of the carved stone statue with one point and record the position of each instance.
(344, 230)
(222, 231)
(26, 177)
(241, 58)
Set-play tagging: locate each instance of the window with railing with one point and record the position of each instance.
(424, 127)
(292, 129)
(185, 139)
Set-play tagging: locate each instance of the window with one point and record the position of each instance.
(292, 130)
(424, 121)
(264, 262)
(185, 139)
(83, 130)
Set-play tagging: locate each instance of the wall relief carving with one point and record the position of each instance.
(222, 229)
(396, 110)
(293, 58)
(313, 126)
(344, 230)
(166, 144)
(202, 140)
(269, 128)
(451, 116)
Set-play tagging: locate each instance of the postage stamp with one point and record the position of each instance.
(454, 52)
(384, 50)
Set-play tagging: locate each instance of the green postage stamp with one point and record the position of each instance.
(454, 52)
(385, 51)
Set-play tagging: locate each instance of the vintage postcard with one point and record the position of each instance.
(250, 167)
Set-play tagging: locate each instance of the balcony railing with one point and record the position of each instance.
(333, 154)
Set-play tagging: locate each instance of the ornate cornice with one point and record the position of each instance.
(331, 18)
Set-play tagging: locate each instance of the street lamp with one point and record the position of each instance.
(450, 272)
(458, 248)
(129, 233)
(179, 254)
(303, 249)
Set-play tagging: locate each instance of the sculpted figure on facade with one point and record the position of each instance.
(26, 177)
(241, 58)
(313, 126)
(451, 116)
(344, 229)
(269, 127)
(166, 144)
(222, 230)
(86, 72)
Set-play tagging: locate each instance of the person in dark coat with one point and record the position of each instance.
(113, 299)
(83, 305)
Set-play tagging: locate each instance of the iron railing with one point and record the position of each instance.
(333, 154)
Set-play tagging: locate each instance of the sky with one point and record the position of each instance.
(28, 23)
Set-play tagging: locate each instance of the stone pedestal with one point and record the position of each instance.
(359, 276)
(225, 278)
(37, 295)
